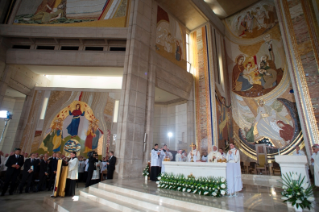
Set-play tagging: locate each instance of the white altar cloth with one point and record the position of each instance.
(197, 169)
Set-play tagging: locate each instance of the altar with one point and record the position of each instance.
(197, 169)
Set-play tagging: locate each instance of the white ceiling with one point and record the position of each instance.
(78, 71)
(163, 96)
(14, 94)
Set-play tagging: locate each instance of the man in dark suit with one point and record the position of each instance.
(14, 164)
(29, 168)
(91, 168)
(111, 165)
(53, 163)
(43, 172)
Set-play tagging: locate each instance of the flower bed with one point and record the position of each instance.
(208, 186)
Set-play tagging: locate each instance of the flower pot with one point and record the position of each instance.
(297, 208)
(146, 178)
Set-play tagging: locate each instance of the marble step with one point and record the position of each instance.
(111, 202)
(81, 204)
(168, 202)
(150, 205)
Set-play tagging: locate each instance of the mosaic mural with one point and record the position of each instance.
(253, 21)
(107, 13)
(224, 121)
(74, 121)
(170, 38)
(263, 104)
(202, 90)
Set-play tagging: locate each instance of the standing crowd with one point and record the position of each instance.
(20, 171)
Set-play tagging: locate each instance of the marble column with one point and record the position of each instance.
(132, 123)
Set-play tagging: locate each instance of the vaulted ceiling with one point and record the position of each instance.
(225, 8)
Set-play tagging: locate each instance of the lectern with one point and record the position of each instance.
(296, 164)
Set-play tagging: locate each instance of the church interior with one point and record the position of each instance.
(126, 75)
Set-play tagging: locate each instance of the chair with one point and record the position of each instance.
(262, 164)
(252, 167)
(242, 167)
(276, 168)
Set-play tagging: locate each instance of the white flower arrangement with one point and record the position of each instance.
(157, 182)
(208, 186)
(296, 191)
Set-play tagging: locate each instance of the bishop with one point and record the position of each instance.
(213, 155)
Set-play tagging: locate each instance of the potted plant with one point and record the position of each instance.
(296, 191)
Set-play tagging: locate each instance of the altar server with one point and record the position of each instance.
(213, 155)
(193, 155)
(234, 182)
(81, 168)
(316, 164)
(155, 162)
(72, 175)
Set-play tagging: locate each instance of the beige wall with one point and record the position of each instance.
(14, 106)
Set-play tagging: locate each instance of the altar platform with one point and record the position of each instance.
(138, 195)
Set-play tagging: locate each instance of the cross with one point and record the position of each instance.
(192, 145)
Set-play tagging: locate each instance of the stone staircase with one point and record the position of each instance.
(107, 197)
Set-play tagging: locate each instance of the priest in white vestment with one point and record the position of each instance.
(233, 171)
(222, 154)
(155, 162)
(315, 149)
(178, 156)
(72, 175)
(298, 151)
(195, 154)
(213, 155)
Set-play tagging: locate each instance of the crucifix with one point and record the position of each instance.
(192, 145)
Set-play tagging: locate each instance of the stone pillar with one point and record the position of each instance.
(137, 82)
(4, 81)
(191, 119)
(296, 39)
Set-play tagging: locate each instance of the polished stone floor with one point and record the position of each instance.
(251, 198)
(31, 202)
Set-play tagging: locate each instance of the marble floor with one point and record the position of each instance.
(31, 202)
(251, 198)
